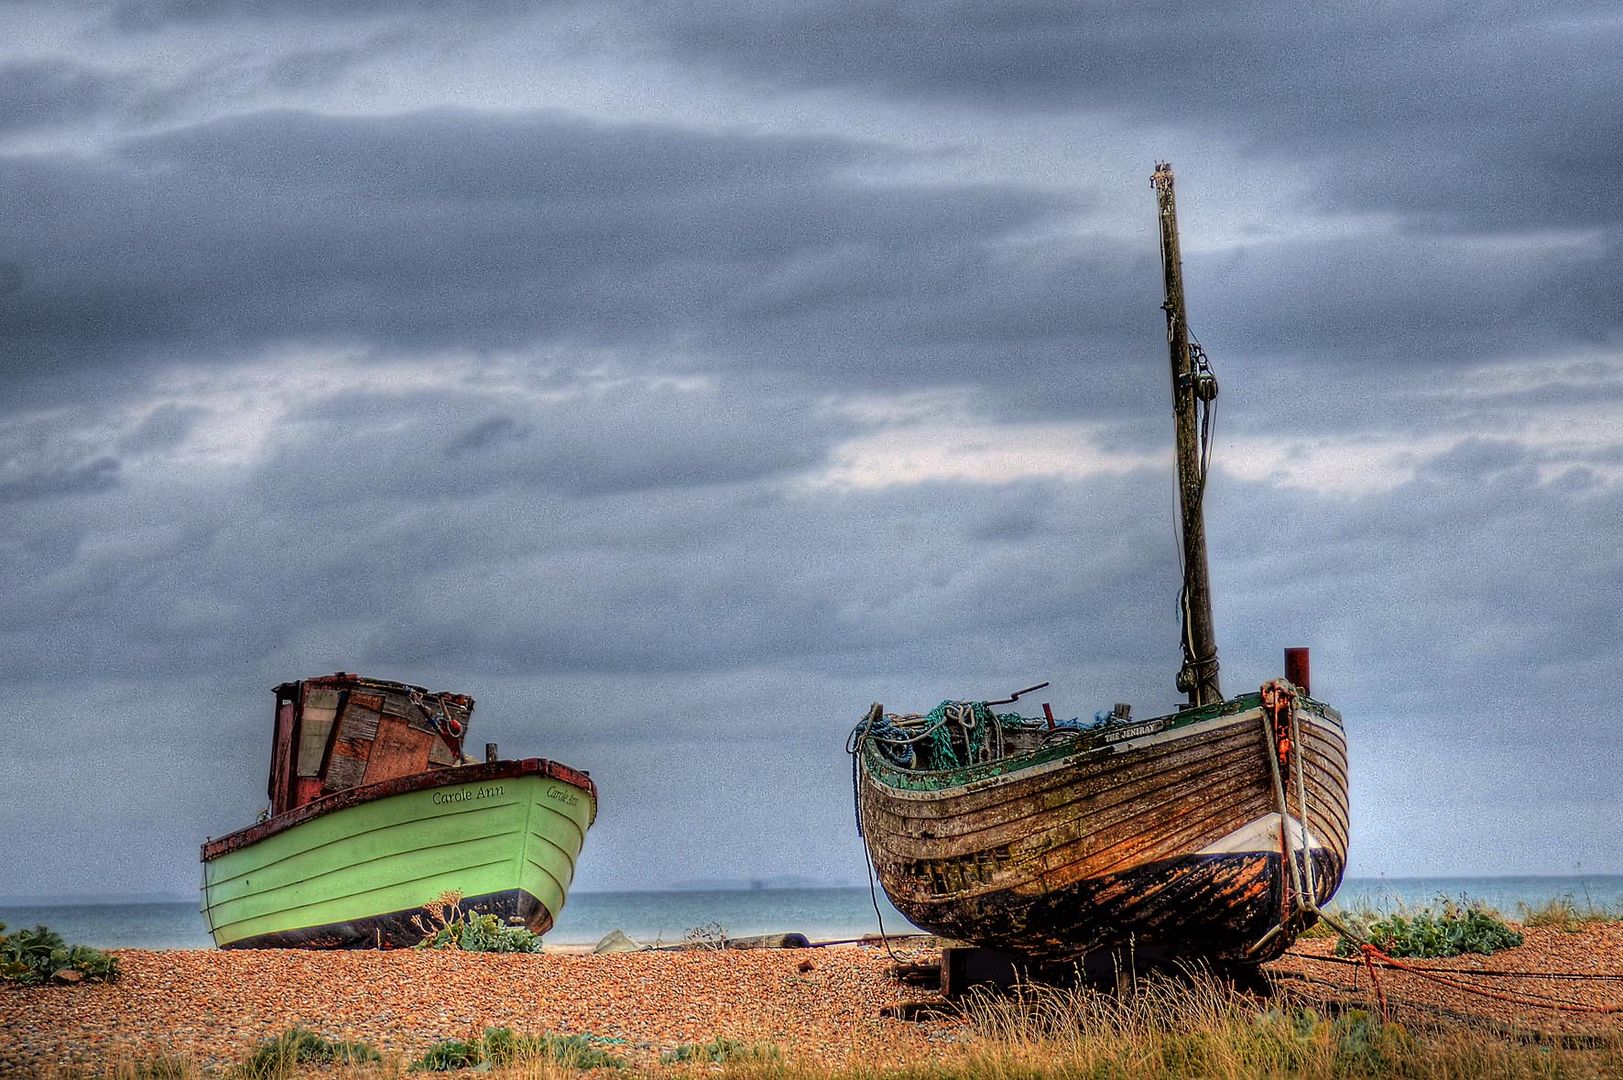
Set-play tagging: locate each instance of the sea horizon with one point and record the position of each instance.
(733, 885)
(821, 912)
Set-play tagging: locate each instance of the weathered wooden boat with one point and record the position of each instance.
(1214, 832)
(375, 811)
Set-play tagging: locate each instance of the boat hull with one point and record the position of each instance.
(1164, 837)
(353, 870)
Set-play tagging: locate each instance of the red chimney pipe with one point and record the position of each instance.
(1296, 670)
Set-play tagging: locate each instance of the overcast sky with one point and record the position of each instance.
(678, 379)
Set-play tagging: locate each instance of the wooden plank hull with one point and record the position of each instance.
(350, 870)
(1164, 836)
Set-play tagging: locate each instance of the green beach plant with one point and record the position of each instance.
(502, 1047)
(38, 956)
(1448, 929)
(719, 1050)
(446, 926)
(448, 1055)
(296, 1047)
(580, 1051)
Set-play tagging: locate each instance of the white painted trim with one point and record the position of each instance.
(1261, 834)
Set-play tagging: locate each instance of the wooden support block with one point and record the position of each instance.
(965, 966)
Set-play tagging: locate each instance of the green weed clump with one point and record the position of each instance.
(1449, 929)
(503, 1047)
(1356, 1043)
(577, 1051)
(446, 926)
(1320, 929)
(298, 1046)
(38, 956)
(1566, 914)
(719, 1050)
(448, 1055)
(162, 1068)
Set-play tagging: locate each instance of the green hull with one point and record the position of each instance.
(351, 873)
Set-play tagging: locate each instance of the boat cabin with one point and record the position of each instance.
(342, 730)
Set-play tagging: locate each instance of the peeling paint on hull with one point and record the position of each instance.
(1055, 853)
(1211, 906)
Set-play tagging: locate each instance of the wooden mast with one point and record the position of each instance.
(1198, 676)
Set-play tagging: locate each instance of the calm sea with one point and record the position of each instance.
(820, 914)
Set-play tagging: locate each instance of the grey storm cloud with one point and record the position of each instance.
(449, 229)
(627, 439)
(1503, 559)
(1456, 114)
(658, 526)
(40, 461)
(476, 230)
(44, 93)
(316, 354)
(97, 474)
(150, 15)
(1395, 299)
(655, 612)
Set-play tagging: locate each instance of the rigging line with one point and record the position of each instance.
(873, 894)
(1198, 363)
(1576, 976)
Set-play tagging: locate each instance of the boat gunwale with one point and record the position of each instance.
(356, 796)
(347, 679)
(931, 783)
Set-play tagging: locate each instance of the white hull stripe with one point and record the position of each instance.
(1261, 835)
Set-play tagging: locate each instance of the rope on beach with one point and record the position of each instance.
(1536, 1001)
(1282, 738)
(1576, 976)
(1375, 981)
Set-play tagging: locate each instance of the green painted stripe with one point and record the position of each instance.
(293, 911)
(352, 825)
(268, 892)
(312, 864)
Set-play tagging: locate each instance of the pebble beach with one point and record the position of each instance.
(1581, 969)
(215, 1006)
(822, 1005)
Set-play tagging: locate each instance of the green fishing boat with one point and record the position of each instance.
(375, 812)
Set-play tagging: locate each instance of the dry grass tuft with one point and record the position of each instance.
(1079, 1035)
(1197, 1026)
(1566, 914)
